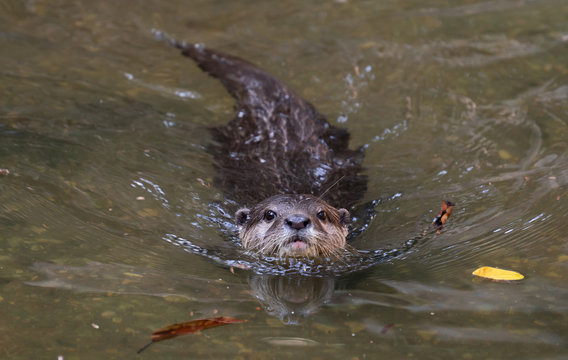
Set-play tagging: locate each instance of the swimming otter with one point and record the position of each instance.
(281, 154)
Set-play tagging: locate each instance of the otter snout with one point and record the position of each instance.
(297, 221)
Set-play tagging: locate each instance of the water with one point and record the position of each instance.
(104, 131)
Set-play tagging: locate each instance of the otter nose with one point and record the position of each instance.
(297, 222)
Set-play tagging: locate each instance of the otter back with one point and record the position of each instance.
(277, 143)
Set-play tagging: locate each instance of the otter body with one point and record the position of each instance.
(279, 153)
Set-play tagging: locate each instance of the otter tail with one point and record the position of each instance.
(251, 86)
(241, 78)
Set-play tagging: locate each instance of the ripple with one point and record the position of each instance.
(154, 189)
(96, 277)
(163, 90)
(479, 52)
(350, 261)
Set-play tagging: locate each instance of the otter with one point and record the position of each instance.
(280, 154)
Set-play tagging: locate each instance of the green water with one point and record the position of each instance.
(103, 133)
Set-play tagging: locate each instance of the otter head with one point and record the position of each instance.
(293, 225)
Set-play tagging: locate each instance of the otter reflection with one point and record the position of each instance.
(291, 298)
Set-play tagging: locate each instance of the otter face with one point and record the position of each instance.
(293, 225)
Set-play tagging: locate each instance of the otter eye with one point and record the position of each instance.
(322, 216)
(269, 215)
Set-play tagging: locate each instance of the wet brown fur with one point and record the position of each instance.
(278, 144)
(322, 237)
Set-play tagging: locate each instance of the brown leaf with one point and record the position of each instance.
(204, 183)
(174, 330)
(189, 327)
(386, 328)
(442, 218)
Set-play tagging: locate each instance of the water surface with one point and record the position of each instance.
(103, 131)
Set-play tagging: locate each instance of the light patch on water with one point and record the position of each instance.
(395, 196)
(290, 341)
(163, 90)
(154, 189)
(393, 132)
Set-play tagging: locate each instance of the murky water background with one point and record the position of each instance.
(104, 131)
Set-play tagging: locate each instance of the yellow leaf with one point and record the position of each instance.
(497, 274)
(505, 155)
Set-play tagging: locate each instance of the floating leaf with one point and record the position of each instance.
(498, 274)
(445, 212)
(189, 327)
(386, 328)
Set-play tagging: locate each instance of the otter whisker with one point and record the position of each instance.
(320, 197)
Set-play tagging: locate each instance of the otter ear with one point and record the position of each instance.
(344, 217)
(242, 216)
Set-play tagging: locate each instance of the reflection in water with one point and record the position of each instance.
(122, 279)
(291, 298)
(419, 298)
